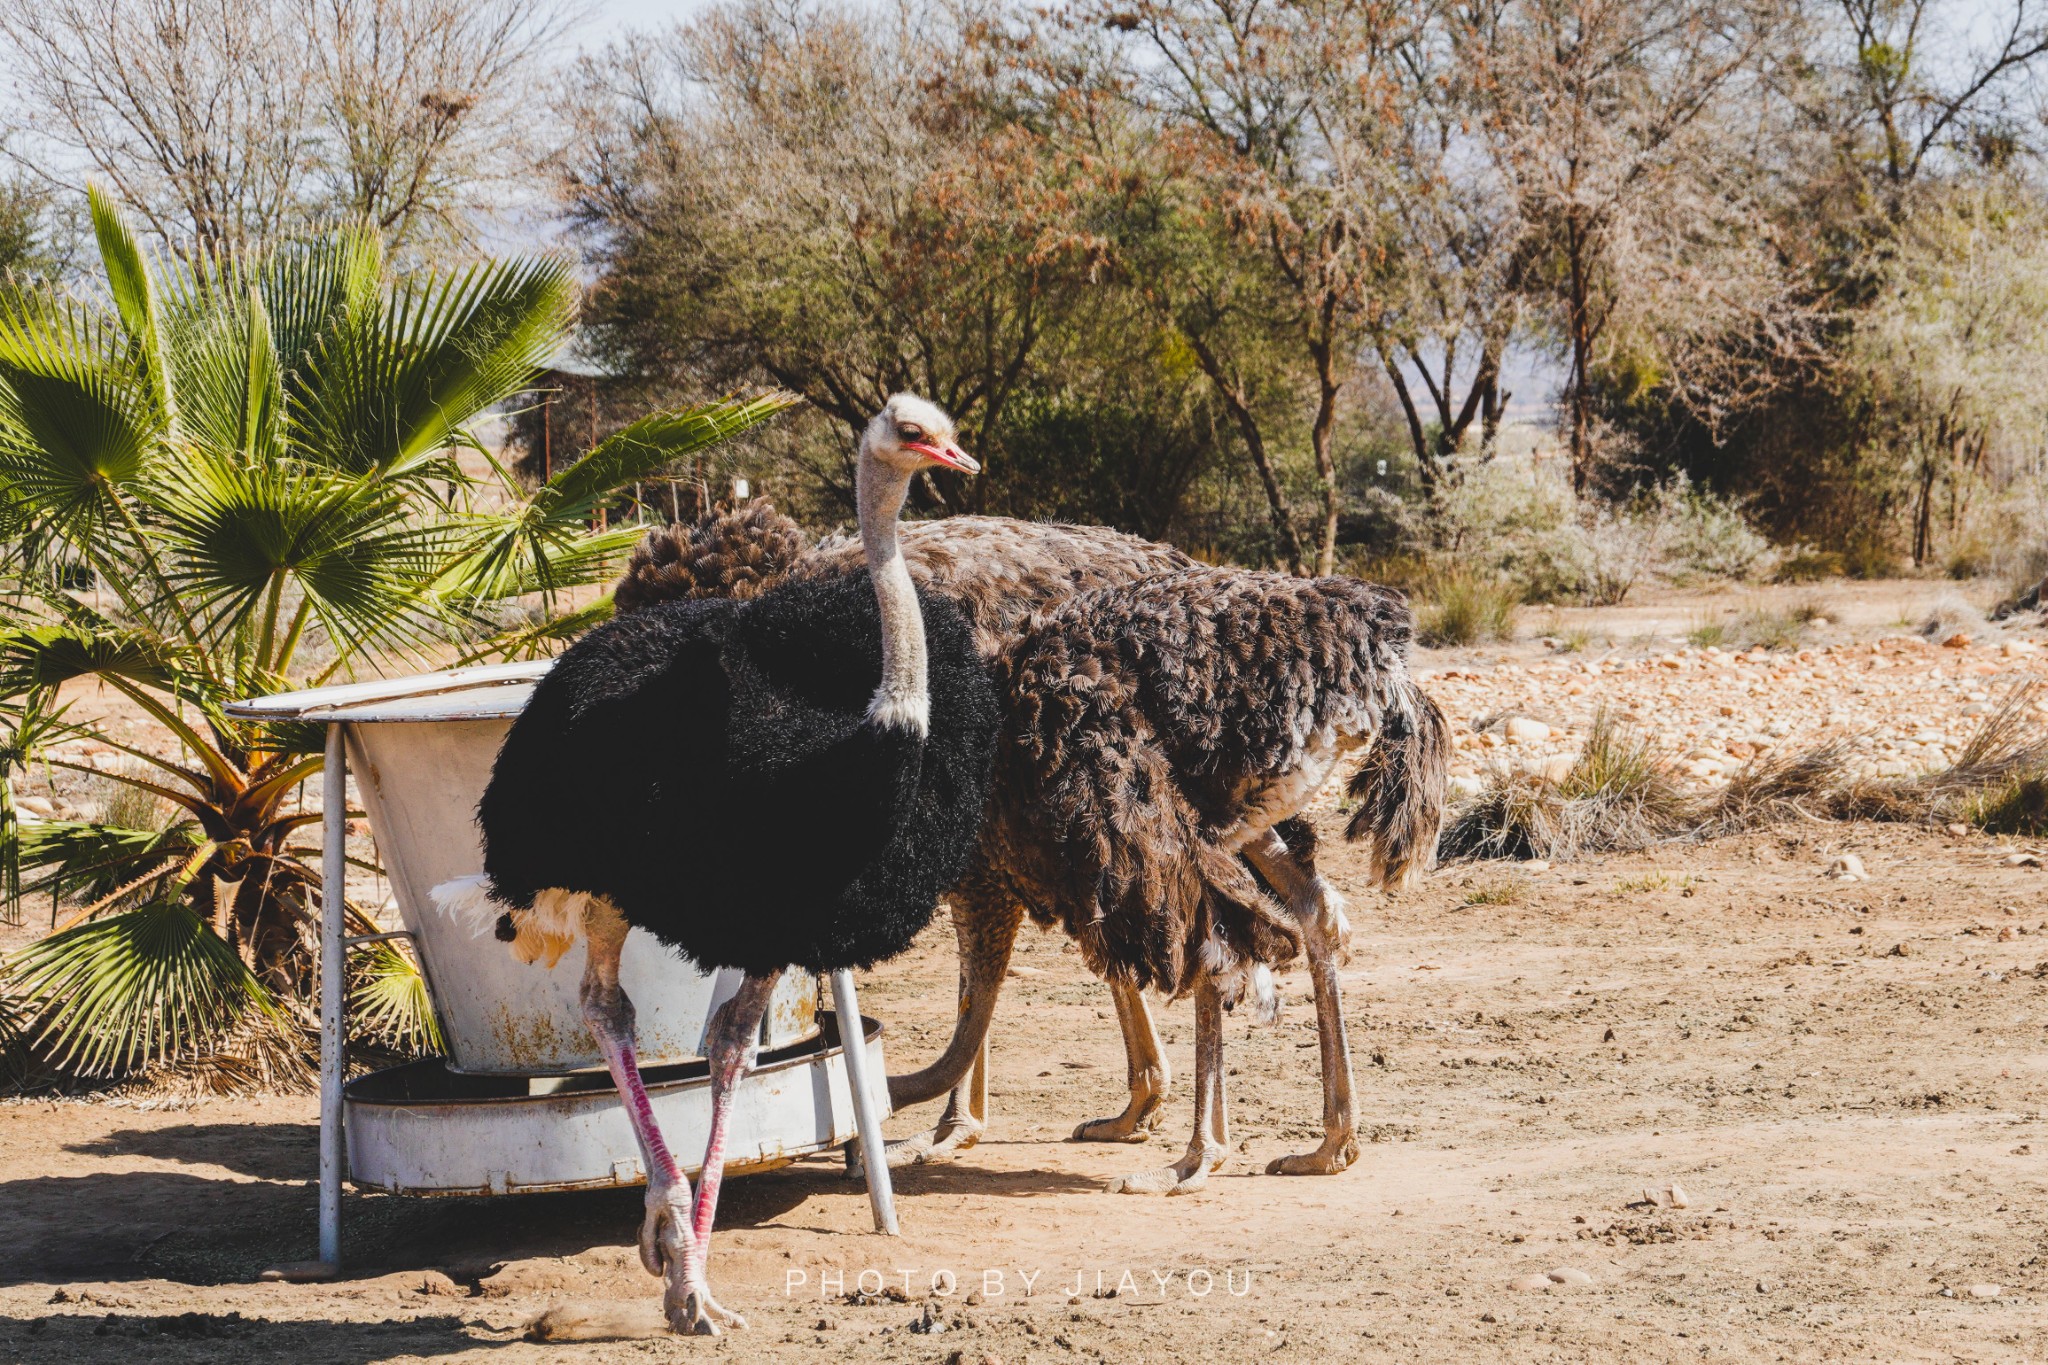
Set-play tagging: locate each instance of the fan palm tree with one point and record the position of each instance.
(255, 462)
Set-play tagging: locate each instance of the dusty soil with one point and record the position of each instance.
(1849, 1081)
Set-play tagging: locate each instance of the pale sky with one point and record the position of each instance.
(609, 18)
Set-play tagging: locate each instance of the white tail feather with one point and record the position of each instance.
(469, 902)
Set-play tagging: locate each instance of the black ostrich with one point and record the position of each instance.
(709, 735)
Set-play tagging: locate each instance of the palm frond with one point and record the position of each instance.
(133, 287)
(91, 861)
(231, 378)
(78, 422)
(14, 1053)
(40, 657)
(352, 546)
(545, 544)
(133, 989)
(388, 1001)
(390, 391)
(536, 641)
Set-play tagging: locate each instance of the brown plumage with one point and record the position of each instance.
(735, 553)
(1158, 736)
(1155, 729)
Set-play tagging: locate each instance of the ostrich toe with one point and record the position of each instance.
(1185, 1176)
(946, 1140)
(694, 1313)
(1328, 1159)
(1135, 1124)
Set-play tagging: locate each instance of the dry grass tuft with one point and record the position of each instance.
(1465, 608)
(1618, 795)
(1497, 891)
(1775, 787)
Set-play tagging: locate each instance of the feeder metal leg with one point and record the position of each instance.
(333, 892)
(874, 1155)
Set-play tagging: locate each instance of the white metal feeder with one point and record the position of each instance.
(516, 1105)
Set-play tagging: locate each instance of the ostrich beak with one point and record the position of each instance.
(949, 455)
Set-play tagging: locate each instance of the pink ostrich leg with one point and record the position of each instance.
(734, 1043)
(668, 1246)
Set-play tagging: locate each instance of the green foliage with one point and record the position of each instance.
(256, 459)
(388, 1002)
(147, 985)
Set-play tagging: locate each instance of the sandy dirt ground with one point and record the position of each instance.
(1848, 1080)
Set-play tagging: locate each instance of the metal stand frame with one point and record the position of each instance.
(333, 954)
(334, 946)
(874, 1155)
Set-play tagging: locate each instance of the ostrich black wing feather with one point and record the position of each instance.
(707, 767)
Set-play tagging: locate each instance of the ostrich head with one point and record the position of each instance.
(909, 434)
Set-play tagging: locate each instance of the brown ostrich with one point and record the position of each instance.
(1155, 736)
(999, 571)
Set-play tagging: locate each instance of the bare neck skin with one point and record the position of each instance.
(903, 699)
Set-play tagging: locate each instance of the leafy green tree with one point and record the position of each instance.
(255, 462)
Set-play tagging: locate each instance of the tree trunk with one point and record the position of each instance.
(1578, 309)
(1923, 517)
(1320, 437)
(1255, 446)
(1425, 458)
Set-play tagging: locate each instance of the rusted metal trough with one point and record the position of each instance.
(521, 1102)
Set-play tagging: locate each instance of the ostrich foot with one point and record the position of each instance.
(1185, 1176)
(1135, 1124)
(942, 1143)
(1333, 1156)
(665, 1234)
(698, 1314)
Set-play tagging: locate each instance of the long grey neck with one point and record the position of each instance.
(904, 697)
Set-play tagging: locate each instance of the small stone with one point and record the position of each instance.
(1529, 1283)
(2023, 860)
(1848, 868)
(1959, 640)
(1536, 865)
(826, 1325)
(1671, 1196)
(1957, 830)
(1566, 1274)
(1984, 1291)
(1488, 1317)
(1523, 730)
(1607, 1037)
(37, 805)
(1764, 1286)
(1464, 787)
(1900, 950)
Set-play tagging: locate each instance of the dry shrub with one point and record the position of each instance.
(1948, 617)
(259, 1057)
(1777, 786)
(1616, 796)
(1464, 608)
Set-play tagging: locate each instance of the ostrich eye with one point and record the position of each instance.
(909, 433)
